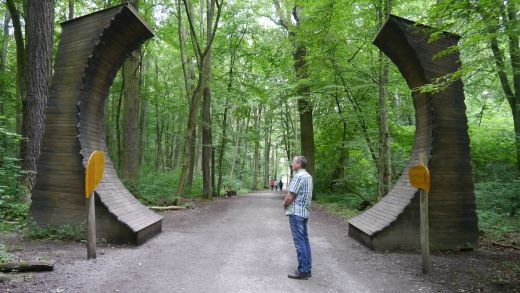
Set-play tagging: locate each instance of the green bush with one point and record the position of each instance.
(492, 150)
(498, 206)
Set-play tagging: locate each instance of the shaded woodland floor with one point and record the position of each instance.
(243, 244)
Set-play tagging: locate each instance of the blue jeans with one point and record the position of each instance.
(301, 242)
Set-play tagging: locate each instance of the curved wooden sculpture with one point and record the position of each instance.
(442, 134)
(91, 50)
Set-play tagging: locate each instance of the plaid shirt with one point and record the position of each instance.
(301, 185)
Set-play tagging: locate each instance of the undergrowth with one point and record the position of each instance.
(4, 255)
(68, 232)
(343, 205)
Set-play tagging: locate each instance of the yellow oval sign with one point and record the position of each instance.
(419, 177)
(94, 172)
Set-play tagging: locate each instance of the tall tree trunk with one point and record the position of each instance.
(275, 162)
(224, 120)
(5, 41)
(202, 52)
(21, 65)
(40, 29)
(514, 52)
(143, 109)
(267, 147)
(223, 141)
(256, 159)
(245, 157)
(287, 136)
(207, 143)
(511, 92)
(159, 126)
(305, 106)
(187, 154)
(339, 170)
(3, 62)
(177, 143)
(240, 126)
(131, 91)
(384, 166)
(118, 125)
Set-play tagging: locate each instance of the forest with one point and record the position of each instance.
(227, 92)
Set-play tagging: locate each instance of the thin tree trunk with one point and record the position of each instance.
(339, 170)
(245, 157)
(286, 136)
(275, 162)
(235, 149)
(40, 29)
(3, 62)
(267, 147)
(159, 126)
(384, 166)
(256, 159)
(187, 156)
(177, 144)
(118, 126)
(5, 40)
(201, 54)
(223, 141)
(143, 110)
(21, 65)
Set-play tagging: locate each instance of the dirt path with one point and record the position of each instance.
(241, 244)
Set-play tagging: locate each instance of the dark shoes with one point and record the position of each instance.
(299, 275)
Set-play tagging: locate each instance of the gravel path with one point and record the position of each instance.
(242, 244)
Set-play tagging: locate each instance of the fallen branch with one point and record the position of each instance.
(26, 266)
(504, 245)
(165, 208)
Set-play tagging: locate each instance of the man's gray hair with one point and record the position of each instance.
(302, 160)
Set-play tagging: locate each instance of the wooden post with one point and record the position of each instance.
(425, 229)
(91, 227)
(93, 175)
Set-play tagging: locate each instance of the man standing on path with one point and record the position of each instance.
(297, 205)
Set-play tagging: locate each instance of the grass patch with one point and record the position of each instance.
(4, 255)
(512, 266)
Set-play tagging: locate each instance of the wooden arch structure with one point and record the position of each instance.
(91, 50)
(442, 134)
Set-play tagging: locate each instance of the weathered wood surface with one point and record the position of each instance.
(27, 266)
(91, 50)
(441, 133)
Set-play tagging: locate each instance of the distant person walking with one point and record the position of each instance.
(271, 183)
(280, 184)
(297, 205)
